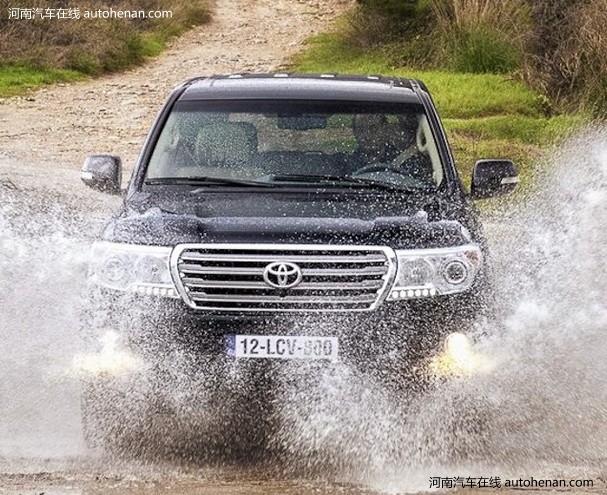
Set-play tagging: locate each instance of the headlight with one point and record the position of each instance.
(133, 268)
(428, 272)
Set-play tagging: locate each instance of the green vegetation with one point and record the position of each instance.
(520, 138)
(458, 95)
(480, 36)
(487, 113)
(557, 47)
(14, 79)
(47, 50)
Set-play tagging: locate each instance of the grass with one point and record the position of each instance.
(518, 137)
(485, 115)
(481, 36)
(45, 51)
(15, 80)
(456, 95)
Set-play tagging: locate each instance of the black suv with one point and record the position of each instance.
(275, 218)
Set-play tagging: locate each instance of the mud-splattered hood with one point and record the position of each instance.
(396, 221)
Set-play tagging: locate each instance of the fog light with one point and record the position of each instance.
(113, 360)
(458, 358)
(458, 347)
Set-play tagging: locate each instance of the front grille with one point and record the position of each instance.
(230, 277)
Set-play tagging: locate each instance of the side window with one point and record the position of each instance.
(164, 152)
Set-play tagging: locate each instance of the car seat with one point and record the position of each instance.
(227, 149)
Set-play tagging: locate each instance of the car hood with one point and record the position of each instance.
(403, 222)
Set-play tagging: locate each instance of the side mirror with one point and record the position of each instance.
(493, 178)
(102, 173)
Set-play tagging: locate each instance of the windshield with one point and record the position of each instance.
(296, 143)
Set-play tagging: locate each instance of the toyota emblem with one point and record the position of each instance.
(282, 275)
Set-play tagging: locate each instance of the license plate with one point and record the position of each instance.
(282, 347)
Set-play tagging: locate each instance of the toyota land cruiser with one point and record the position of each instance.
(275, 218)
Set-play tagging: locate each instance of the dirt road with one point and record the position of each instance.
(43, 140)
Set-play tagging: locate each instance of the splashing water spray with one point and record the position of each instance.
(529, 395)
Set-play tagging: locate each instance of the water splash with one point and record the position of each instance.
(552, 381)
(41, 265)
(542, 405)
(540, 408)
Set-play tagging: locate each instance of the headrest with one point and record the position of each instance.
(226, 144)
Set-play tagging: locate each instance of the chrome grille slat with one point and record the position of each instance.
(269, 258)
(230, 277)
(291, 300)
(363, 285)
(319, 272)
(345, 272)
(210, 270)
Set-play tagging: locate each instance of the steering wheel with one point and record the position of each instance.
(395, 166)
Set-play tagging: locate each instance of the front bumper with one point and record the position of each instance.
(126, 333)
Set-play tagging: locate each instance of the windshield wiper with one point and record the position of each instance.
(207, 181)
(311, 179)
(338, 179)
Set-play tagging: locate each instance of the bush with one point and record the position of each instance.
(568, 53)
(480, 50)
(366, 29)
(589, 75)
(381, 21)
(481, 35)
(391, 8)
